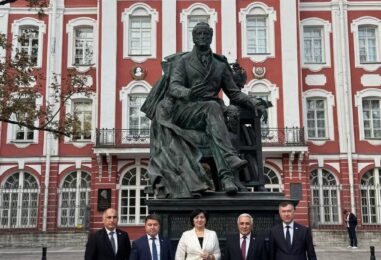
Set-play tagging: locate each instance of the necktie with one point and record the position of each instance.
(288, 236)
(112, 241)
(205, 60)
(243, 248)
(154, 249)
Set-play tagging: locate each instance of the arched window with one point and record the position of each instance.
(134, 121)
(139, 29)
(19, 201)
(371, 197)
(325, 193)
(74, 199)
(272, 180)
(196, 13)
(132, 209)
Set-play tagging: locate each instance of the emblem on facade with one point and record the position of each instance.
(138, 72)
(259, 72)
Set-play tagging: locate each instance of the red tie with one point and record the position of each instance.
(243, 248)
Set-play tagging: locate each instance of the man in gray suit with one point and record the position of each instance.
(290, 240)
(195, 83)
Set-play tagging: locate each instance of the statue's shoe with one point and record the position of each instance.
(235, 163)
(229, 187)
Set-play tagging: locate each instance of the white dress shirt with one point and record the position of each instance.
(291, 229)
(115, 238)
(247, 242)
(157, 243)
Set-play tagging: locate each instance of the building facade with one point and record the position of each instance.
(318, 62)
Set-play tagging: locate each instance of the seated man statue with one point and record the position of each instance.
(190, 110)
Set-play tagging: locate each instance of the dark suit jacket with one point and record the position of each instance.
(302, 245)
(257, 250)
(352, 220)
(99, 247)
(190, 80)
(141, 251)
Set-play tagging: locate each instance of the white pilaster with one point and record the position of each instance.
(229, 29)
(290, 70)
(108, 63)
(169, 27)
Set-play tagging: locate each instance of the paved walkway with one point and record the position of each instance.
(76, 253)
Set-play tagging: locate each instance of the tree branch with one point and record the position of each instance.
(32, 127)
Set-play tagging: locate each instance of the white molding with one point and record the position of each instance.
(134, 10)
(290, 63)
(70, 28)
(184, 21)
(360, 95)
(264, 86)
(4, 15)
(135, 87)
(371, 80)
(29, 21)
(327, 29)
(107, 87)
(330, 103)
(168, 28)
(366, 20)
(229, 30)
(316, 80)
(270, 37)
(80, 10)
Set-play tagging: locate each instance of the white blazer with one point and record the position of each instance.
(189, 247)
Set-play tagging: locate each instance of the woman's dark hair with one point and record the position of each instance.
(197, 212)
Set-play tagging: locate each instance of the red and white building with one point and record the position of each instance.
(318, 62)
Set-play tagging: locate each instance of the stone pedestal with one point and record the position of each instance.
(223, 211)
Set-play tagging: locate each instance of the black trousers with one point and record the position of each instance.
(352, 236)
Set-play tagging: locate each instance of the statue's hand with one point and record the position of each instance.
(261, 106)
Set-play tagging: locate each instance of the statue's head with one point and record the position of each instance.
(202, 35)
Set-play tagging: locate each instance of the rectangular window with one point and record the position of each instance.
(192, 21)
(367, 44)
(28, 42)
(138, 123)
(256, 28)
(316, 118)
(313, 44)
(84, 46)
(140, 36)
(372, 118)
(24, 134)
(83, 111)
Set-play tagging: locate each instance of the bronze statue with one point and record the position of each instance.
(187, 113)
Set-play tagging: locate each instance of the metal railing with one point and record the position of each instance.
(289, 136)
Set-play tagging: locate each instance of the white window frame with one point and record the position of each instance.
(258, 8)
(78, 222)
(272, 186)
(373, 21)
(320, 187)
(265, 87)
(376, 187)
(330, 103)
(29, 21)
(71, 26)
(134, 87)
(326, 46)
(139, 9)
(12, 128)
(20, 190)
(137, 188)
(195, 10)
(69, 110)
(360, 95)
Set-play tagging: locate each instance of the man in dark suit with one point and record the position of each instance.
(290, 240)
(245, 245)
(152, 246)
(351, 223)
(108, 243)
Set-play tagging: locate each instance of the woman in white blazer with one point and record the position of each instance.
(198, 243)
